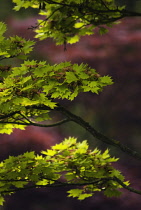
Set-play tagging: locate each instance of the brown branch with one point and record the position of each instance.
(67, 184)
(78, 120)
(97, 134)
(30, 123)
(57, 184)
(4, 116)
(131, 189)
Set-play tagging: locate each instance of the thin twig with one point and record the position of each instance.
(37, 124)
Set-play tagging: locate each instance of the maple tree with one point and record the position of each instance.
(30, 92)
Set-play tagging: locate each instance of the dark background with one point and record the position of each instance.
(116, 112)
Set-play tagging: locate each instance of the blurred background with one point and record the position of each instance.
(116, 112)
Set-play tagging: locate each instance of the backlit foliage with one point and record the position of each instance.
(30, 91)
(66, 21)
(33, 84)
(69, 163)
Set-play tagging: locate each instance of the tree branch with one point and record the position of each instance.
(131, 189)
(67, 184)
(78, 120)
(97, 134)
(37, 124)
(58, 184)
(4, 116)
(124, 12)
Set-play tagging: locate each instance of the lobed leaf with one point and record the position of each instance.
(63, 164)
(67, 21)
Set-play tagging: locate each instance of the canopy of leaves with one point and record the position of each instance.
(28, 92)
(69, 163)
(34, 84)
(66, 21)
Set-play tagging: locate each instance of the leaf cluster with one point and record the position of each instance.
(66, 21)
(40, 84)
(13, 46)
(69, 163)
